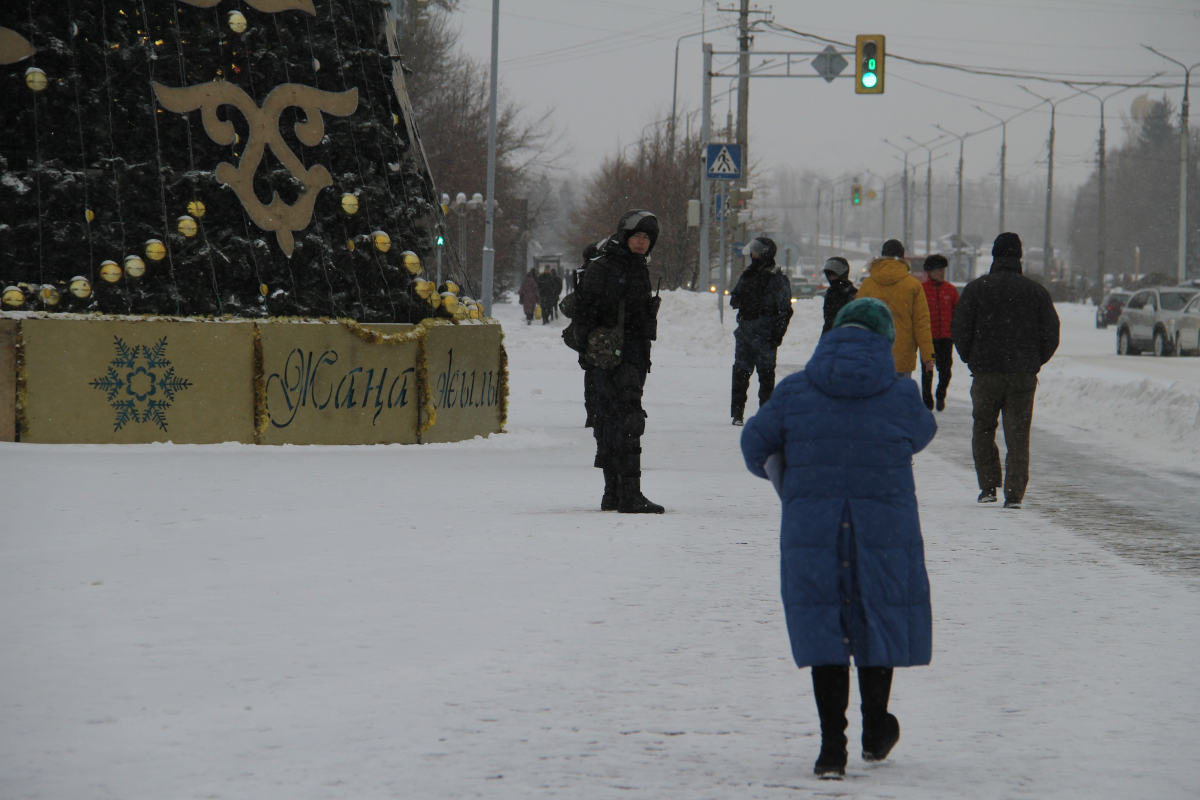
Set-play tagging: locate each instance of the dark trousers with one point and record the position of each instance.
(943, 359)
(618, 420)
(1005, 398)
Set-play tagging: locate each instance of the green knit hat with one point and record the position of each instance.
(869, 314)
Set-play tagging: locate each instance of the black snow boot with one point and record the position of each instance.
(831, 685)
(880, 730)
(741, 385)
(766, 385)
(632, 500)
(612, 490)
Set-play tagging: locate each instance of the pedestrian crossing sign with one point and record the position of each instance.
(723, 161)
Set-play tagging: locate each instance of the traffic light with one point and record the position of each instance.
(856, 194)
(869, 52)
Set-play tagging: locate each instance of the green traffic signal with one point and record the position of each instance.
(869, 56)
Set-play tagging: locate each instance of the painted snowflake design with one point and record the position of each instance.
(140, 383)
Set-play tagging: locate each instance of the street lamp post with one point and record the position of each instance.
(1003, 156)
(1047, 250)
(928, 190)
(906, 226)
(489, 252)
(1102, 189)
(958, 240)
(675, 82)
(461, 205)
(1184, 136)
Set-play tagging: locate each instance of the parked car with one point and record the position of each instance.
(1148, 320)
(1110, 307)
(803, 289)
(1187, 329)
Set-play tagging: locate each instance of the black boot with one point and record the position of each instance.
(632, 499)
(880, 730)
(612, 490)
(927, 389)
(766, 385)
(741, 385)
(831, 685)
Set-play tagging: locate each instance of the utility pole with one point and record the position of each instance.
(958, 240)
(743, 119)
(907, 221)
(1184, 135)
(928, 190)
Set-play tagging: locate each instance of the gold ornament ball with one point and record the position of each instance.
(110, 271)
(382, 241)
(262, 289)
(81, 287)
(196, 208)
(451, 286)
(412, 262)
(237, 22)
(350, 203)
(134, 266)
(187, 226)
(50, 294)
(13, 297)
(88, 214)
(449, 301)
(476, 312)
(423, 289)
(155, 250)
(350, 244)
(461, 312)
(35, 79)
(435, 299)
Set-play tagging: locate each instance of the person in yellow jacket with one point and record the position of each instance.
(890, 281)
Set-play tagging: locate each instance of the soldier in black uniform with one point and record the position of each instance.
(614, 289)
(763, 298)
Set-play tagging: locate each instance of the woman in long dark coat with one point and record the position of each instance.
(852, 559)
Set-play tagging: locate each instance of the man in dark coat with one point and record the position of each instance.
(763, 298)
(548, 289)
(1005, 328)
(615, 294)
(842, 434)
(840, 291)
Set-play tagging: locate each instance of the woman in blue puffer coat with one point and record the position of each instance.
(838, 439)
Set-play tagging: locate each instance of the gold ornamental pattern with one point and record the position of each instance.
(265, 6)
(277, 216)
(13, 47)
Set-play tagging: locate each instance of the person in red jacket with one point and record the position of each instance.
(942, 298)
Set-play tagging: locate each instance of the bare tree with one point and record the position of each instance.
(659, 180)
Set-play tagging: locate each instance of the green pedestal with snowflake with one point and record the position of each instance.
(129, 381)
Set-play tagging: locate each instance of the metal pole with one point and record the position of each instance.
(705, 189)
(743, 120)
(489, 252)
(958, 240)
(928, 191)
(1184, 136)
(906, 223)
(1003, 154)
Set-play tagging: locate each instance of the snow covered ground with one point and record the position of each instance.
(458, 620)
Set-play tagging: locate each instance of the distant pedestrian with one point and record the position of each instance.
(549, 287)
(942, 298)
(617, 319)
(763, 298)
(890, 281)
(530, 295)
(837, 439)
(1005, 328)
(841, 290)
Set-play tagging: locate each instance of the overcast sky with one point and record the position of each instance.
(607, 68)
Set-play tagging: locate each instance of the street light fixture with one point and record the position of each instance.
(1003, 154)
(1101, 211)
(1184, 135)
(907, 223)
(928, 189)
(1047, 251)
(958, 240)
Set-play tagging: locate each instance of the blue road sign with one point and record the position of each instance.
(723, 161)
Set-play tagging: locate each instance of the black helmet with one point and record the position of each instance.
(761, 248)
(637, 221)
